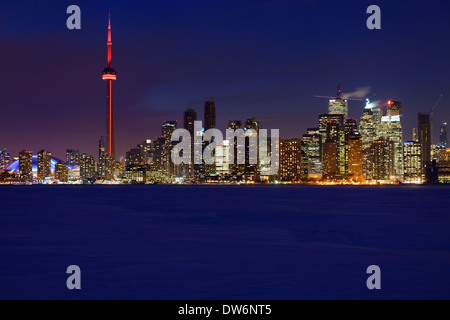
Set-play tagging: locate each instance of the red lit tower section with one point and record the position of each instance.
(109, 74)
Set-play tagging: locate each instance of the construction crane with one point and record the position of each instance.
(340, 95)
(431, 116)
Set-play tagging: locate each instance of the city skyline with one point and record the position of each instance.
(139, 115)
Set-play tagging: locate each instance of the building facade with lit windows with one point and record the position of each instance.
(312, 154)
(5, 159)
(444, 166)
(26, 165)
(391, 127)
(355, 157)
(44, 164)
(381, 159)
(61, 172)
(329, 159)
(290, 160)
(412, 157)
(87, 167)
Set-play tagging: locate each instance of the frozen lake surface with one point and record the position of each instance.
(224, 242)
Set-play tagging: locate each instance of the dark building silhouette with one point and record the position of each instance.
(424, 135)
(443, 135)
(190, 116)
(210, 113)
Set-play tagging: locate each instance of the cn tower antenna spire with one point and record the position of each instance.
(109, 43)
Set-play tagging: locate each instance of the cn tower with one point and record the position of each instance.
(109, 74)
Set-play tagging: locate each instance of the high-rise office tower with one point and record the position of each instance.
(312, 154)
(146, 147)
(106, 167)
(325, 119)
(415, 134)
(424, 136)
(210, 113)
(190, 116)
(329, 159)
(290, 160)
(355, 157)
(333, 131)
(161, 156)
(444, 166)
(350, 127)
(167, 128)
(102, 147)
(5, 159)
(87, 167)
(73, 157)
(382, 159)
(413, 169)
(368, 126)
(443, 135)
(109, 74)
(390, 126)
(338, 105)
(44, 164)
(393, 108)
(26, 165)
(377, 113)
(237, 170)
(251, 131)
(188, 170)
(61, 172)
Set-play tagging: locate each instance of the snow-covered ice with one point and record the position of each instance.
(224, 242)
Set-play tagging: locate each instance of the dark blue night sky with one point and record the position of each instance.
(258, 58)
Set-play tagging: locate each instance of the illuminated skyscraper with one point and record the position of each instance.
(61, 172)
(87, 167)
(44, 164)
(368, 126)
(106, 167)
(167, 128)
(5, 159)
(146, 147)
(338, 105)
(413, 169)
(73, 157)
(26, 165)
(237, 170)
(109, 74)
(393, 108)
(444, 166)
(382, 159)
(290, 160)
(424, 135)
(251, 131)
(443, 135)
(329, 159)
(355, 157)
(390, 126)
(324, 119)
(312, 154)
